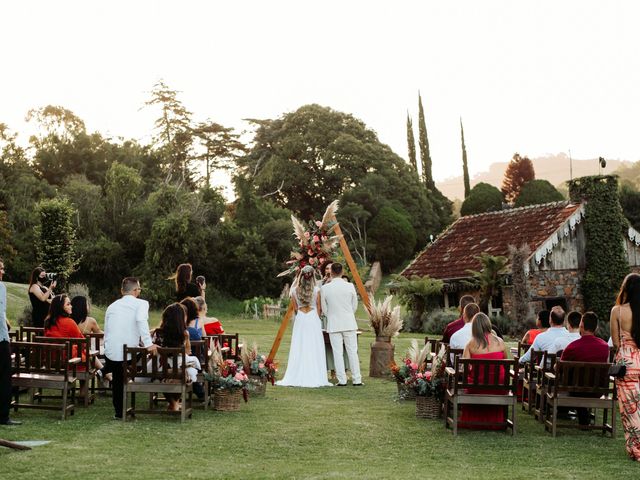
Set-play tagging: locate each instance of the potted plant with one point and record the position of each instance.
(259, 369)
(230, 383)
(386, 323)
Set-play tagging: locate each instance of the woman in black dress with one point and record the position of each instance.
(40, 296)
(184, 285)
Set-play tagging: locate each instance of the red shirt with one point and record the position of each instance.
(65, 327)
(452, 328)
(587, 348)
(213, 328)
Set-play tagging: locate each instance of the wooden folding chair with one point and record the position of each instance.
(581, 385)
(543, 383)
(481, 375)
(165, 372)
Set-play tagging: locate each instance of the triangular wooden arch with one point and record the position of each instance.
(356, 277)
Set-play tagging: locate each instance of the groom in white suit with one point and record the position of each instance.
(339, 303)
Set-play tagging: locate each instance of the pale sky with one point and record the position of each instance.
(533, 77)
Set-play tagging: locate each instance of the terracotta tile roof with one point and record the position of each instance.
(454, 251)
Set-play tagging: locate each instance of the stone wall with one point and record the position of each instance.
(548, 285)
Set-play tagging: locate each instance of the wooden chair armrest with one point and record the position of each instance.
(550, 376)
(75, 360)
(449, 371)
(93, 353)
(224, 349)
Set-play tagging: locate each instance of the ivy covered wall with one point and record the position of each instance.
(605, 226)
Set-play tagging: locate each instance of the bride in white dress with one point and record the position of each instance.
(307, 364)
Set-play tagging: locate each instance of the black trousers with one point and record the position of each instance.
(117, 384)
(5, 381)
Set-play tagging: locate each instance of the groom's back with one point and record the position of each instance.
(339, 302)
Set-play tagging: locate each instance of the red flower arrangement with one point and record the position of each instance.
(316, 242)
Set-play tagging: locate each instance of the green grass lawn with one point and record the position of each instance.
(299, 433)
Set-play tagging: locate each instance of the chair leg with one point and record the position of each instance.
(513, 420)
(64, 402)
(455, 417)
(554, 419)
(125, 406)
(183, 408)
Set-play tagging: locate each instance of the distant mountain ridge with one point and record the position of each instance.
(554, 168)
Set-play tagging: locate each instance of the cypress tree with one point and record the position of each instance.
(465, 168)
(411, 143)
(423, 142)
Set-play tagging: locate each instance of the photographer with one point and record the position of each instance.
(40, 295)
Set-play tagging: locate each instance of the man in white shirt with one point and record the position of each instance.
(545, 340)
(126, 322)
(573, 332)
(460, 339)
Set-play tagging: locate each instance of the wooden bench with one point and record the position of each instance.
(230, 345)
(40, 366)
(581, 385)
(97, 344)
(164, 372)
(466, 374)
(85, 370)
(27, 334)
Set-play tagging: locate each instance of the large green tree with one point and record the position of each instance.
(423, 142)
(482, 198)
(535, 192)
(219, 146)
(308, 158)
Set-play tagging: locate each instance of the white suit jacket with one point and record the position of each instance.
(126, 322)
(339, 303)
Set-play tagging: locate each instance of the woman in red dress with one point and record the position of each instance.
(59, 322)
(484, 344)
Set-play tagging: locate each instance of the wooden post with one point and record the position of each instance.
(281, 330)
(15, 446)
(352, 266)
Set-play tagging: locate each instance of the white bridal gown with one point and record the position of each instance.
(307, 364)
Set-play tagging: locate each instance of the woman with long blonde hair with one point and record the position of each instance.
(307, 364)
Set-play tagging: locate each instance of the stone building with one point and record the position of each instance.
(555, 235)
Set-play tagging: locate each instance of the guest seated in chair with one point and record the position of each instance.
(211, 325)
(456, 325)
(573, 332)
(172, 333)
(545, 340)
(80, 310)
(588, 348)
(542, 324)
(194, 326)
(484, 344)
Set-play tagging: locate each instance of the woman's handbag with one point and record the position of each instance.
(618, 370)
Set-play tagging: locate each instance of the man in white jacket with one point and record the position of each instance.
(339, 303)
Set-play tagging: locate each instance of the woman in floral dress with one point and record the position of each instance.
(625, 332)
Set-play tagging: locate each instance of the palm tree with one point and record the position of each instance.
(489, 278)
(415, 293)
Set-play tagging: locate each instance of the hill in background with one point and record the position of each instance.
(554, 168)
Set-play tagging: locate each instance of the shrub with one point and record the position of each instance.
(435, 321)
(393, 237)
(536, 192)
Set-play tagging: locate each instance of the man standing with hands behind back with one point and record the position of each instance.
(339, 304)
(126, 322)
(5, 357)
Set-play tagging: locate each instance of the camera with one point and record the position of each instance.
(200, 279)
(48, 278)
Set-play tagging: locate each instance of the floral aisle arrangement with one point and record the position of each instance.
(429, 387)
(259, 368)
(229, 382)
(406, 373)
(316, 242)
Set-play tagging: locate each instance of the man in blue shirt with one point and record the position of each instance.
(5, 357)
(546, 340)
